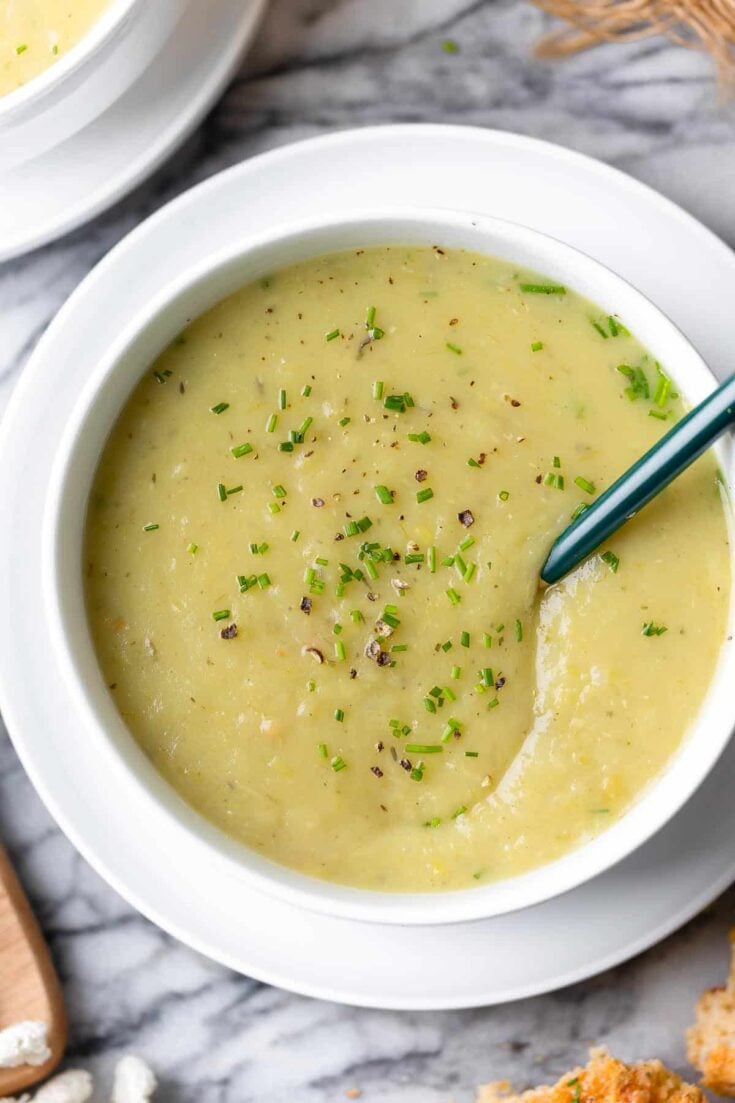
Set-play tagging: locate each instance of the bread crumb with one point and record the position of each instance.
(72, 1086)
(133, 1082)
(24, 1043)
(711, 1041)
(603, 1080)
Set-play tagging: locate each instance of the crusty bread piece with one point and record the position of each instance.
(711, 1041)
(603, 1080)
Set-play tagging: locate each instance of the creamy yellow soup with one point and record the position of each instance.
(312, 560)
(35, 33)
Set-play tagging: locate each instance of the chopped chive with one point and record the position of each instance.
(453, 348)
(467, 543)
(486, 676)
(338, 763)
(285, 446)
(424, 748)
(663, 386)
(453, 596)
(459, 565)
(399, 647)
(519, 631)
(449, 46)
(464, 639)
(551, 478)
(273, 507)
(219, 408)
(295, 535)
(322, 562)
(472, 754)
(658, 414)
(543, 288)
(419, 438)
(460, 812)
(493, 704)
(281, 399)
(487, 639)
(331, 335)
(424, 495)
(469, 572)
(279, 491)
(344, 421)
(339, 715)
(449, 693)
(504, 495)
(472, 462)
(378, 389)
(429, 704)
(651, 629)
(431, 559)
(356, 616)
(306, 390)
(234, 490)
(192, 549)
(579, 511)
(221, 492)
(613, 326)
(151, 527)
(612, 560)
(600, 330)
(416, 557)
(536, 346)
(339, 654)
(21, 49)
(455, 672)
(383, 495)
(584, 484)
(264, 581)
(446, 646)
(270, 425)
(364, 524)
(221, 614)
(556, 462)
(304, 426)
(241, 450)
(369, 316)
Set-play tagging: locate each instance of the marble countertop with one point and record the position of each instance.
(213, 1036)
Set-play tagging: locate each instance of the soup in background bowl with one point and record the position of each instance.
(64, 62)
(34, 34)
(311, 564)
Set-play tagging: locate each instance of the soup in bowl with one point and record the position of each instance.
(64, 62)
(293, 566)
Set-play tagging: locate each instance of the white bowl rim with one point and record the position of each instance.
(99, 33)
(647, 815)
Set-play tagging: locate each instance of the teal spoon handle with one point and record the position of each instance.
(648, 476)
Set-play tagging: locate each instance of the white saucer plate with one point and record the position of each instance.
(620, 222)
(42, 199)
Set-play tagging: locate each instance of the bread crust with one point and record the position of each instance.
(711, 1041)
(603, 1079)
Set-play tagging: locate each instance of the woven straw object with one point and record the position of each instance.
(697, 24)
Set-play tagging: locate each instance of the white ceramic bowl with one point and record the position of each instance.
(96, 411)
(88, 78)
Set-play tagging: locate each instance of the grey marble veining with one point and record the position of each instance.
(212, 1036)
